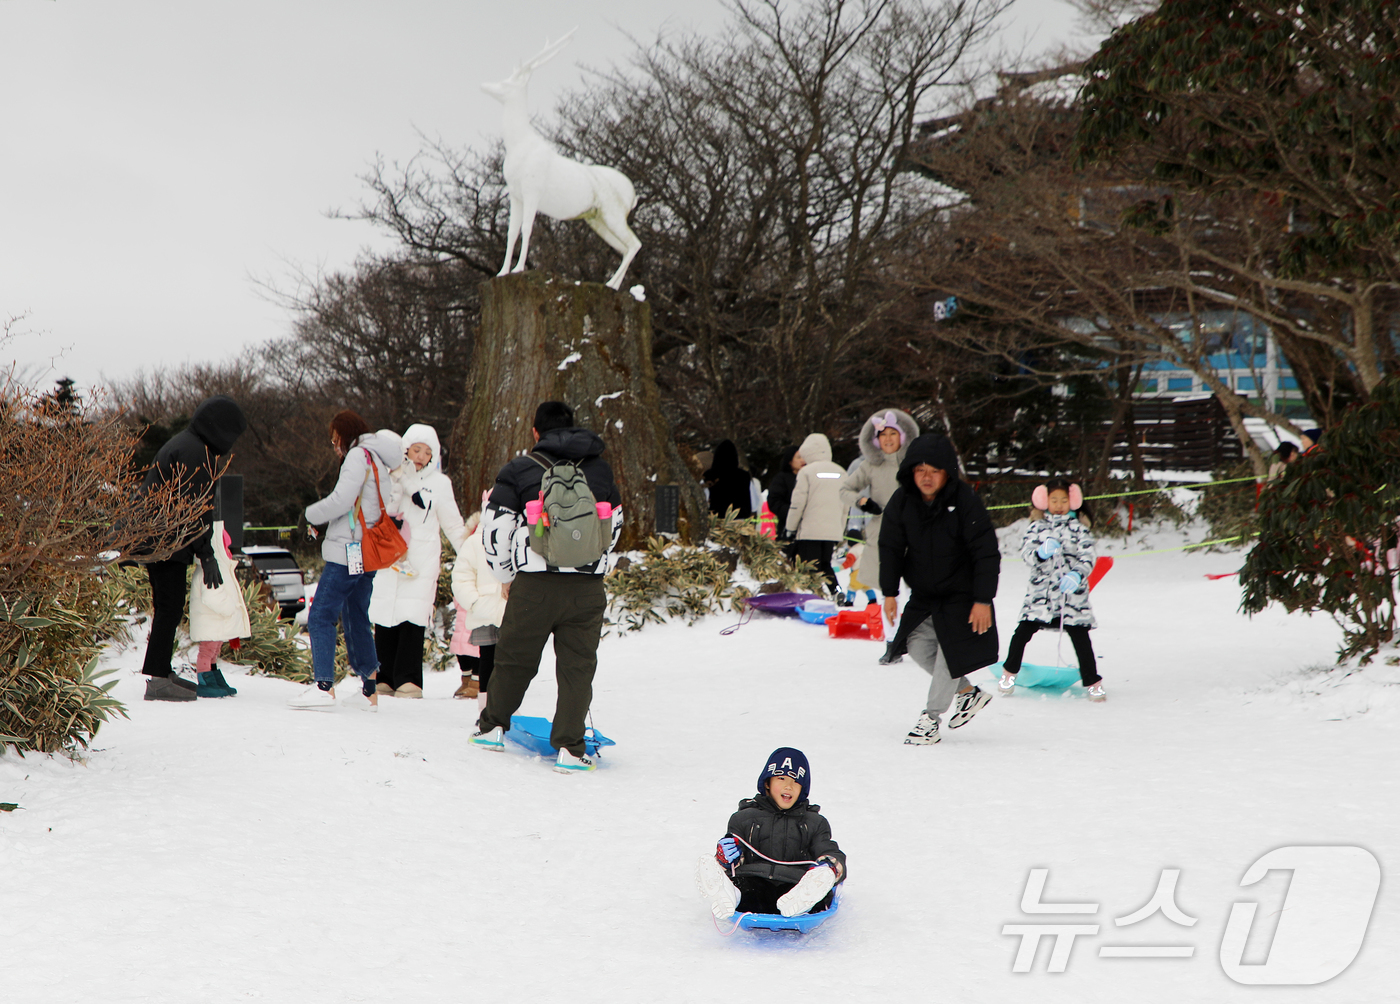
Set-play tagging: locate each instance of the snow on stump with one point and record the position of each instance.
(546, 338)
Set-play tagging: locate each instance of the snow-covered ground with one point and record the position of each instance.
(232, 850)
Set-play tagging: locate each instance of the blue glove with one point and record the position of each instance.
(727, 851)
(1070, 582)
(1048, 549)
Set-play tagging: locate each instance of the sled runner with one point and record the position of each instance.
(803, 923)
(533, 735)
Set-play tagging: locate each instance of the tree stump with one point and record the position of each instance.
(546, 338)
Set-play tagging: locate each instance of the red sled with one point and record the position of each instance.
(857, 624)
(1100, 569)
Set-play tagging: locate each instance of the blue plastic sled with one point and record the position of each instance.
(533, 734)
(815, 616)
(803, 923)
(1041, 677)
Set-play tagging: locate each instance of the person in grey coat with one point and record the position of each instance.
(343, 595)
(884, 439)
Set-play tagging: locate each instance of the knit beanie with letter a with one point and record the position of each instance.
(787, 762)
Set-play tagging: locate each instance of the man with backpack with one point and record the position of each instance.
(553, 517)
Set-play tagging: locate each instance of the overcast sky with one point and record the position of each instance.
(160, 156)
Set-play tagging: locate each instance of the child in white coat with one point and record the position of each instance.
(480, 602)
(216, 616)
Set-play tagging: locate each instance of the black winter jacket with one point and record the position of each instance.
(947, 552)
(519, 481)
(729, 483)
(797, 834)
(190, 458)
(781, 487)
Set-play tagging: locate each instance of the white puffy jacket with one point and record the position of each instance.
(478, 592)
(398, 597)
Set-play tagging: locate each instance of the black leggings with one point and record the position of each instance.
(760, 895)
(820, 552)
(479, 666)
(168, 591)
(1078, 635)
(400, 651)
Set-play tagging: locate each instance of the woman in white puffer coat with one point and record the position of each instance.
(405, 594)
(816, 515)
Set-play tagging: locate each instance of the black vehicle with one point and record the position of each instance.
(278, 567)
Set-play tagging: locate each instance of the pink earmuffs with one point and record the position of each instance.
(1040, 498)
(889, 420)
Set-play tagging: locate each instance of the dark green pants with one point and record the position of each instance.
(570, 607)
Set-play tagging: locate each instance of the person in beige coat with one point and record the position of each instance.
(817, 515)
(883, 440)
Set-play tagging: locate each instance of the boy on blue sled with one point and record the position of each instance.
(778, 855)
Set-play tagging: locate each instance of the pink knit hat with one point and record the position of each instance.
(886, 421)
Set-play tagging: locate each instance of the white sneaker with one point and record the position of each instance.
(968, 704)
(361, 702)
(925, 733)
(313, 698)
(1006, 685)
(494, 740)
(715, 886)
(808, 892)
(569, 764)
(1096, 692)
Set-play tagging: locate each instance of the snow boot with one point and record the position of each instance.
(968, 704)
(570, 764)
(213, 684)
(491, 739)
(887, 659)
(1096, 693)
(183, 681)
(808, 892)
(714, 885)
(163, 688)
(409, 690)
(383, 690)
(470, 688)
(924, 733)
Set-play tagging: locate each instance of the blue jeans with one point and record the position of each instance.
(341, 597)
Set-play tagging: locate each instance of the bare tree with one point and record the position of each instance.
(772, 192)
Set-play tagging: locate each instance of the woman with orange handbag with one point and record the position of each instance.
(353, 511)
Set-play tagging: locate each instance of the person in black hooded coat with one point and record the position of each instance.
(729, 484)
(191, 459)
(937, 537)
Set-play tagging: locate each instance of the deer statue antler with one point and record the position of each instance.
(550, 50)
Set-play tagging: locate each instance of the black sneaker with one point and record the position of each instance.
(968, 704)
(887, 659)
(164, 688)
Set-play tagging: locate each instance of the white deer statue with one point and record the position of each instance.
(539, 180)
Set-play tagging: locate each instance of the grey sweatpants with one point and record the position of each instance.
(924, 650)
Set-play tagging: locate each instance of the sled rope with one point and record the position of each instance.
(765, 857)
(738, 919)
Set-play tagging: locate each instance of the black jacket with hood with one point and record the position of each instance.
(797, 834)
(507, 549)
(946, 550)
(780, 489)
(191, 459)
(730, 485)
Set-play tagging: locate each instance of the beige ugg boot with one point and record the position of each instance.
(469, 688)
